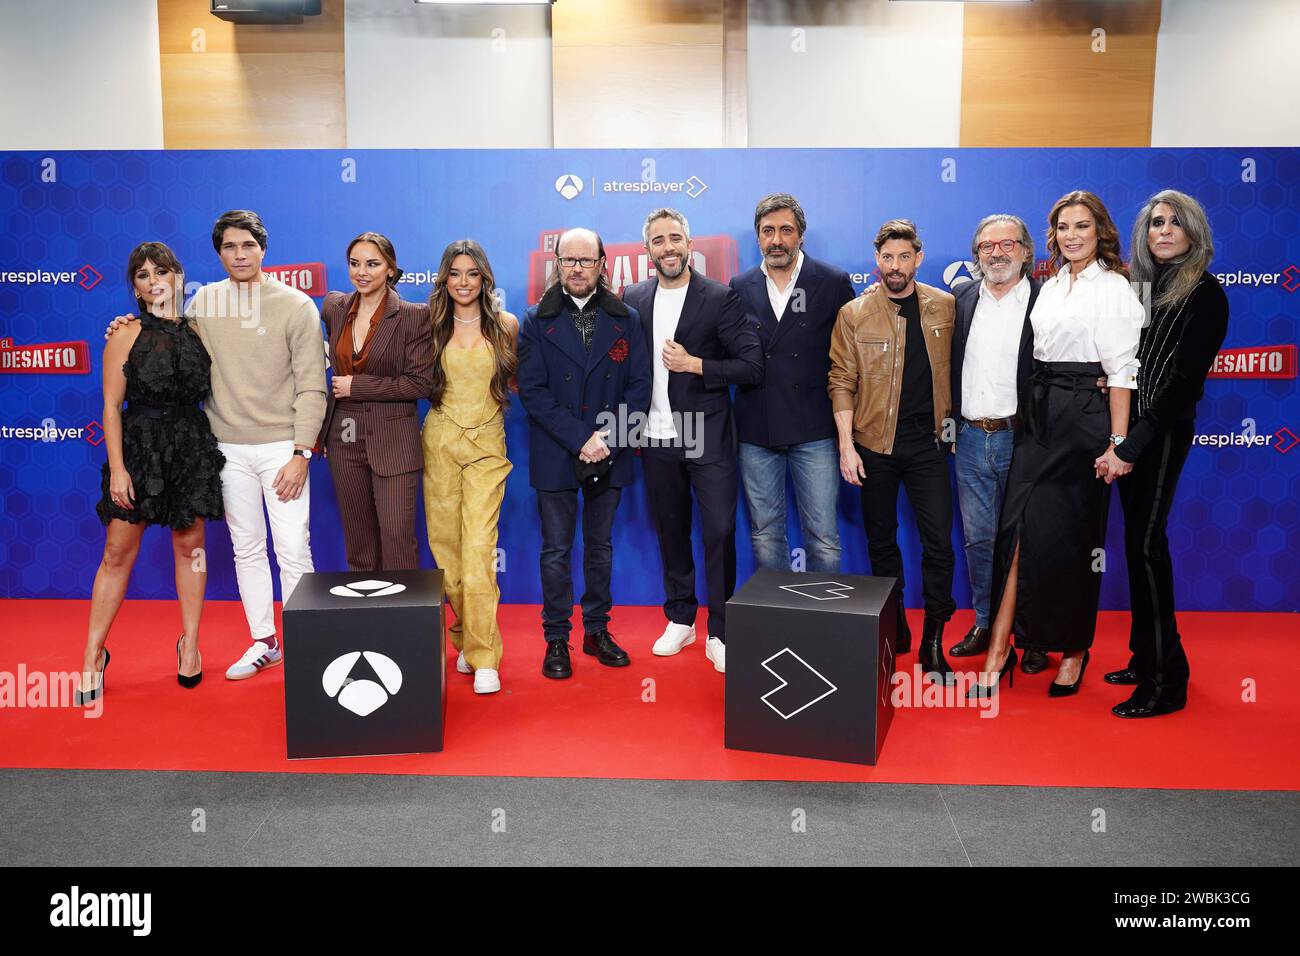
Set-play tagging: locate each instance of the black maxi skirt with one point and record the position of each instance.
(1055, 509)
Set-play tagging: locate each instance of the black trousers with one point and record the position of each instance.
(1147, 493)
(921, 467)
(559, 513)
(670, 477)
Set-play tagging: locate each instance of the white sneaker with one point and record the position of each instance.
(462, 665)
(673, 639)
(486, 681)
(716, 651)
(256, 658)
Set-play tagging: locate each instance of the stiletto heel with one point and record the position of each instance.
(1065, 690)
(193, 680)
(82, 698)
(1008, 671)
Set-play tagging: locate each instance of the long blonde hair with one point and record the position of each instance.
(442, 311)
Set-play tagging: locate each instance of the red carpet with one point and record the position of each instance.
(598, 725)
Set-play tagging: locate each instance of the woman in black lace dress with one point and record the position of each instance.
(163, 464)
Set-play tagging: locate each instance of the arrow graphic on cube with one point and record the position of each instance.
(802, 685)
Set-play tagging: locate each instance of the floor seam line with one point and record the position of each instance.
(953, 824)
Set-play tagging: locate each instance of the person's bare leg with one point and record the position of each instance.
(191, 582)
(1068, 672)
(121, 545)
(1000, 633)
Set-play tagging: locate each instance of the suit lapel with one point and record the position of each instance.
(560, 332)
(690, 309)
(806, 274)
(387, 327)
(764, 310)
(608, 331)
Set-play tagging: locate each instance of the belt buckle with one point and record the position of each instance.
(987, 425)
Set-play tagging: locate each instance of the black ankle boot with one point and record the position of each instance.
(932, 660)
(903, 644)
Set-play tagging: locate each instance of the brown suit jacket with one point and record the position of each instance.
(399, 372)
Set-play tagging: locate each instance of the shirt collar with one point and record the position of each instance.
(580, 304)
(798, 264)
(1020, 290)
(1095, 268)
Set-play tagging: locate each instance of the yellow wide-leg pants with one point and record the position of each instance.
(465, 473)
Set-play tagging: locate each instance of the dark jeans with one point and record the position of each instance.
(670, 477)
(922, 468)
(1147, 493)
(559, 514)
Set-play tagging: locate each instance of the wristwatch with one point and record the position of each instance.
(303, 452)
(1117, 440)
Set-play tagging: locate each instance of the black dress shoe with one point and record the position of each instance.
(1125, 677)
(975, 642)
(904, 642)
(932, 662)
(556, 663)
(1065, 690)
(601, 646)
(1149, 703)
(1035, 661)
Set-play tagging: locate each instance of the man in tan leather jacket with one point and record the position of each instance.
(890, 391)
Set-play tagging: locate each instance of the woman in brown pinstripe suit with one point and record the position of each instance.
(380, 348)
(465, 464)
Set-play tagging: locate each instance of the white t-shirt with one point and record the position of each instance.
(668, 310)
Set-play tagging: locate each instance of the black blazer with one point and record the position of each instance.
(792, 404)
(714, 328)
(968, 296)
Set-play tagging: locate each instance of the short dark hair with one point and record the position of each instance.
(903, 229)
(239, 219)
(770, 204)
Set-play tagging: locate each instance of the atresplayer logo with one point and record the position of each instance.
(75, 909)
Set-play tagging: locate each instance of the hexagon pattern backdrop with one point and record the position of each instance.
(1234, 531)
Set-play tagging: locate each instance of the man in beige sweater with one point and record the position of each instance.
(266, 408)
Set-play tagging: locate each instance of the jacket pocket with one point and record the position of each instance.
(875, 358)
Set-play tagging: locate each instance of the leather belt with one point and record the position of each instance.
(991, 425)
(168, 413)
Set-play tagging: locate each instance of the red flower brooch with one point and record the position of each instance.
(618, 351)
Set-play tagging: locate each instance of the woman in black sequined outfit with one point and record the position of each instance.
(163, 463)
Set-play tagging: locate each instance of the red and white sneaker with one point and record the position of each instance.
(256, 658)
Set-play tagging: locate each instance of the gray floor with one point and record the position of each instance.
(148, 818)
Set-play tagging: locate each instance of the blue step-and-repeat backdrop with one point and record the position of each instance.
(70, 219)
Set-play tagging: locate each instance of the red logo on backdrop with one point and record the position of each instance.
(51, 358)
(1286, 439)
(94, 432)
(627, 263)
(308, 277)
(1260, 361)
(1291, 277)
(90, 277)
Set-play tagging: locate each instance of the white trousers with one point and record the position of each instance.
(245, 488)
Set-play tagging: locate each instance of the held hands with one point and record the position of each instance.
(342, 386)
(121, 491)
(1110, 466)
(290, 479)
(595, 449)
(116, 324)
(677, 359)
(851, 467)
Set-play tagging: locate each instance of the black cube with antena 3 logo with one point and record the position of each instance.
(810, 659)
(365, 664)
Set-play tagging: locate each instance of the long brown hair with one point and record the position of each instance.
(1107, 234)
(160, 254)
(442, 311)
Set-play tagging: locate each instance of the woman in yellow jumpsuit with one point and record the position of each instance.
(464, 439)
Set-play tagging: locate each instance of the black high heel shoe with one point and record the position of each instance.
(192, 681)
(1065, 690)
(81, 698)
(1008, 671)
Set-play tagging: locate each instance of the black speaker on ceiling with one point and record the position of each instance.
(265, 11)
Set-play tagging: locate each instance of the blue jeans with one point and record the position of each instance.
(815, 466)
(983, 461)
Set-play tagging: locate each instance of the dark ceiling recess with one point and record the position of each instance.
(265, 11)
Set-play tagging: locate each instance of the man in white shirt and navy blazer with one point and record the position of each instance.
(701, 343)
(992, 359)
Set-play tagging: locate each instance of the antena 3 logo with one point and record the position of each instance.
(76, 909)
(87, 277)
(569, 186)
(361, 695)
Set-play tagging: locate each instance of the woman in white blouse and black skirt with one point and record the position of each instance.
(1048, 558)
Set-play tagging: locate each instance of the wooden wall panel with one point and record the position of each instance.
(1031, 78)
(251, 86)
(629, 73)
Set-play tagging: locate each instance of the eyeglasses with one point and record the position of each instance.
(568, 262)
(1006, 245)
